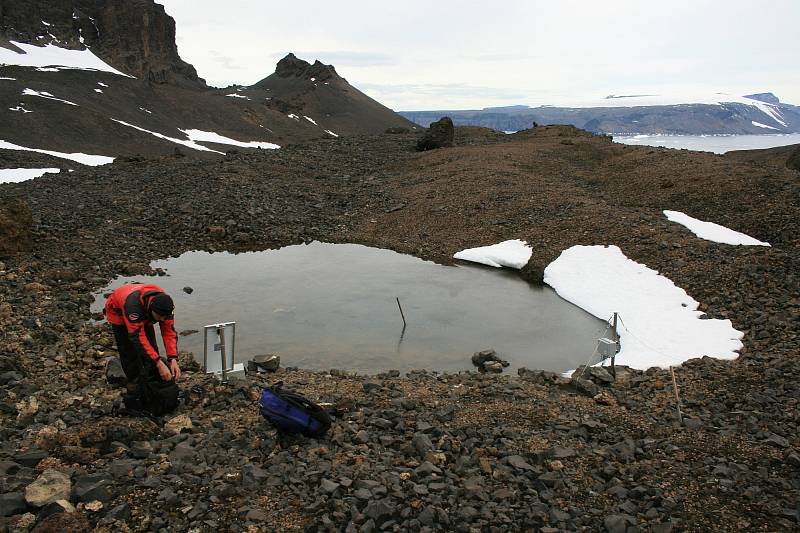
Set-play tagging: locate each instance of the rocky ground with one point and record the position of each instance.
(424, 451)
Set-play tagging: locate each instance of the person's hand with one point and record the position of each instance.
(163, 371)
(176, 370)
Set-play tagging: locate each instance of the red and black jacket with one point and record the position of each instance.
(129, 306)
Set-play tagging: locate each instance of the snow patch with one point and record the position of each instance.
(9, 79)
(146, 110)
(99, 91)
(188, 143)
(20, 108)
(292, 115)
(46, 95)
(101, 84)
(659, 322)
(211, 137)
(329, 132)
(512, 254)
(54, 56)
(760, 125)
(311, 120)
(16, 175)
(78, 157)
(234, 95)
(712, 232)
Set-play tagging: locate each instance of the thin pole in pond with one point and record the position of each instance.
(402, 315)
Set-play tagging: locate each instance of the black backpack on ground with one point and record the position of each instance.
(154, 396)
(158, 397)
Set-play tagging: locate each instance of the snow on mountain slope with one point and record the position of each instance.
(54, 57)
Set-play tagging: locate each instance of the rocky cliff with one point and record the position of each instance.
(135, 36)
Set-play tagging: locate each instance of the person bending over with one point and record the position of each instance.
(132, 310)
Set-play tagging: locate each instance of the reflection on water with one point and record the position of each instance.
(334, 306)
(719, 144)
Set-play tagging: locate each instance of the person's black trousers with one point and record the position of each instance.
(132, 363)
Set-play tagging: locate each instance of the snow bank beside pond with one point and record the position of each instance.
(660, 324)
(712, 232)
(512, 254)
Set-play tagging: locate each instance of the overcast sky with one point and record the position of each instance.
(466, 54)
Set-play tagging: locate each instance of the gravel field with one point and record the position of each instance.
(422, 451)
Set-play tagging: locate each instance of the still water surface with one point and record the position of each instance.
(326, 306)
(718, 144)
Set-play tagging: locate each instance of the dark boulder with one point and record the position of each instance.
(12, 503)
(264, 363)
(488, 361)
(15, 226)
(533, 272)
(584, 386)
(439, 135)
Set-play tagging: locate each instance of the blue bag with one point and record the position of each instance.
(290, 412)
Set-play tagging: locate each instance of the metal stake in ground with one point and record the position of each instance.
(615, 337)
(221, 333)
(402, 315)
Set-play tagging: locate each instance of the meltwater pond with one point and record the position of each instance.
(324, 306)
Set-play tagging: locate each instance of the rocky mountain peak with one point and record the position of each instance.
(293, 67)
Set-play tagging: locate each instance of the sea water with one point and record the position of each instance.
(718, 144)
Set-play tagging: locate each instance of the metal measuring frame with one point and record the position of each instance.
(609, 347)
(226, 359)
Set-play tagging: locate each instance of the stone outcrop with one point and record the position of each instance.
(15, 226)
(439, 135)
(794, 160)
(136, 36)
(292, 66)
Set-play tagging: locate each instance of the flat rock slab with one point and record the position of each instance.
(50, 486)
